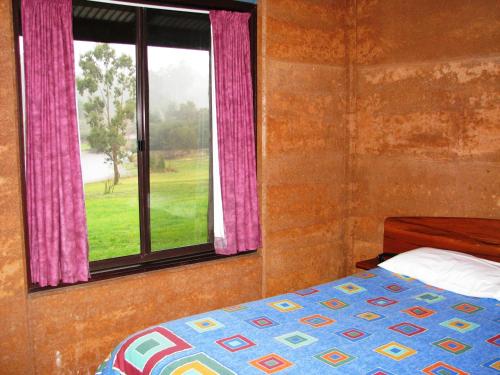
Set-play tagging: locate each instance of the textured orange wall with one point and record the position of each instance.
(427, 134)
(303, 135)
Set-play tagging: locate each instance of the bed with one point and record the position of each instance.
(372, 322)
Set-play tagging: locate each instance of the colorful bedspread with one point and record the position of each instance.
(370, 323)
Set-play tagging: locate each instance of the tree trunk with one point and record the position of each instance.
(115, 169)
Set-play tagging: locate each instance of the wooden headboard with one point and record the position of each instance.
(480, 237)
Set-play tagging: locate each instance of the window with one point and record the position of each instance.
(144, 114)
(146, 174)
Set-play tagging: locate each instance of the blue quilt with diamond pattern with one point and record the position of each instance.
(372, 322)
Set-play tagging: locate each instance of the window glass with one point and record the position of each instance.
(179, 128)
(106, 97)
(179, 139)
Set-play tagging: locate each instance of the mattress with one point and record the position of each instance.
(372, 322)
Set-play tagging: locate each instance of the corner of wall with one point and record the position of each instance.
(15, 343)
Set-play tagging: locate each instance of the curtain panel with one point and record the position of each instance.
(235, 134)
(55, 201)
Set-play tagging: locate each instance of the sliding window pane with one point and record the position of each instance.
(106, 83)
(179, 129)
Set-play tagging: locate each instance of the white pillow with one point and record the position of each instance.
(458, 272)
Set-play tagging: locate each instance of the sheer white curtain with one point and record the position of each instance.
(219, 232)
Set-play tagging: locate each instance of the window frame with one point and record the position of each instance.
(146, 260)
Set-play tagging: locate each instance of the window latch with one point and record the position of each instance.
(140, 145)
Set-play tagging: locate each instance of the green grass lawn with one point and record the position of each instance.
(178, 209)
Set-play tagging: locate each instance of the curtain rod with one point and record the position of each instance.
(152, 6)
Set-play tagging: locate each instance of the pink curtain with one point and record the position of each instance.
(56, 211)
(235, 128)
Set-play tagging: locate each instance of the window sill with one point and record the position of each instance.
(144, 268)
